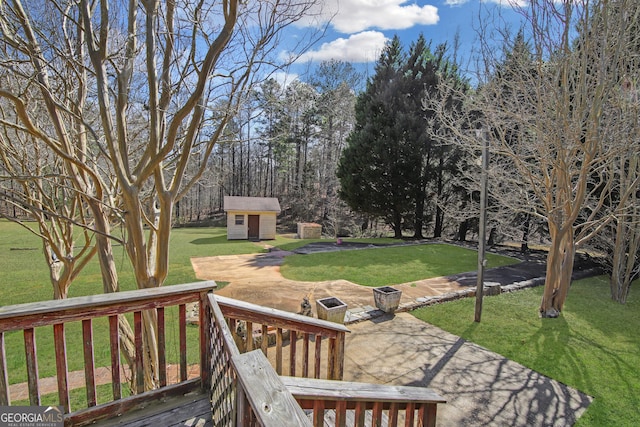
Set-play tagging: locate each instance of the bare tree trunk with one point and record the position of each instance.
(625, 266)
(559, 270)
(110, 283)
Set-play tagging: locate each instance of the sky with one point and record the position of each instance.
(359, 29)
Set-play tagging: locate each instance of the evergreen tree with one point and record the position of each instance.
(373, 168)
(396, 155)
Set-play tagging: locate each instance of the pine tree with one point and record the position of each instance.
(396, 156)
(372, 167)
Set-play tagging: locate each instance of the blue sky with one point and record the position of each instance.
(360, 28)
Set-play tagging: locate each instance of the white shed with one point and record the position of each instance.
(252, 218)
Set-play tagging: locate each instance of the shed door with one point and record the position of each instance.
(253, 233)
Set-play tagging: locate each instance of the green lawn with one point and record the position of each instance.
(24, 276)
(386, 266)
(594, 346)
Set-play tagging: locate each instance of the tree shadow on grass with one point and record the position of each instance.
(214, 240)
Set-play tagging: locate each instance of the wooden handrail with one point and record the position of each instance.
(45, 313)
(299, 328)
(223, 391)
(341, 396)
(272, 404)
(272, 316)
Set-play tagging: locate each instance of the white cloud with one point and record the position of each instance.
(354, 16)
(284, 78)
(361, 47)
(504, 3)
(509, 3)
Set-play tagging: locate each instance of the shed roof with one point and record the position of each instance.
(254, 204)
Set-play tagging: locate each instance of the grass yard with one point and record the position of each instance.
(24, 276)
(387, 266)
(594, 346)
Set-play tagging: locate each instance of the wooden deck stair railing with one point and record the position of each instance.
(359, 404)
(263, 325)
(245, 389)
(330, 401)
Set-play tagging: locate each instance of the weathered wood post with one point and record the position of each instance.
(482, 231)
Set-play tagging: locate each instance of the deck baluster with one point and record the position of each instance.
(305, 355)
(182, 321)
(279, 342)
(61, 366)
(32, 366)
(318, 356)
(293, 344)
(4, 375)
(264, 343)
(114, 344)
(89, 362)
(162, 348)
(139, 363)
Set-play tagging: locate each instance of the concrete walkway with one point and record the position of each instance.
(482, 388)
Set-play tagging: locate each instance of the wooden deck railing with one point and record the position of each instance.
(235, 400)
(359, 404)
(245, 389)
(262, 326)
(59, 313)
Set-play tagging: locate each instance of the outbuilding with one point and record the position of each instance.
(252, 218)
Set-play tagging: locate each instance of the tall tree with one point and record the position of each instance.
(300, 110)
(153, 70)
(372, 166)
(398, 152)
(336, 83)
(425, 72)
(548, 130)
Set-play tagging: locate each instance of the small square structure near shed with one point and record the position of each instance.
(252, 218)
(309, 230)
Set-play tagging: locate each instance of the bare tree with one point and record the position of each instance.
(36, 185)
(150, 71)
(44, 146)
(620, 240)
(547, 126)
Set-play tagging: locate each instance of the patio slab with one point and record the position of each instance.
(482, 388)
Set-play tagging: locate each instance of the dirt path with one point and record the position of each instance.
(257, 279)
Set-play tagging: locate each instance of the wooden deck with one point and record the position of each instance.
(236, 385)
(193, 410)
